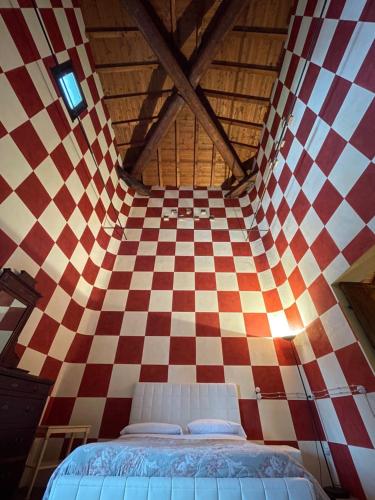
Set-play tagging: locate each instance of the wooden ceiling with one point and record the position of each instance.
(236, 87)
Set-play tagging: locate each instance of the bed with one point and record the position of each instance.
(182, 467)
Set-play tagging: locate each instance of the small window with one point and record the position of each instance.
(70, 88)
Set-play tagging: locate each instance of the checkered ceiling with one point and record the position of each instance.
(186, 300)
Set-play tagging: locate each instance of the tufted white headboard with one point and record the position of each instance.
(182, 403)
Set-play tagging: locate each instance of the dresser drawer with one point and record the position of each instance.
(31, 387)
(15, 442)
(21, 412)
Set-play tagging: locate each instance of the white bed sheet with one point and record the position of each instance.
(292, 452)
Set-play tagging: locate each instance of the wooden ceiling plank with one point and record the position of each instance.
(196, 136)
(237, 78)
(176, 128)
(186, 86)
(196, 124)
(213, 162)
(160, 174)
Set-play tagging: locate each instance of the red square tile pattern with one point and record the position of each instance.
(323, 214)
(129, 291)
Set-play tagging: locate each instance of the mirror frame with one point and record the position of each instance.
(22, 287)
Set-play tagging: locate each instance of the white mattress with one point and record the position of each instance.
(182, 403)
(180, 488)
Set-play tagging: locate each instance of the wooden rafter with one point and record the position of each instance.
(262, 30)
(126, 145)
(240, 123)
(109, 31)
(124, 123)
(250, 99)
(126, 67)
(253, 68)
(116, 32)
(185, 86)
(130, 95)
(243, 145)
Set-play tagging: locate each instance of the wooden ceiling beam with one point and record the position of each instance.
(251, 99)
(126, 67)
(252, 68)
(156, 93)
(240, 123)
(186, 87)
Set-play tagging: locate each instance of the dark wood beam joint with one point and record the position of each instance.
(138, 186)
(242, 187)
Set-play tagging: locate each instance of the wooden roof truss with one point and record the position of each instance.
(184, 111)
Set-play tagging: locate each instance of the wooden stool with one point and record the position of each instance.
(47, 431)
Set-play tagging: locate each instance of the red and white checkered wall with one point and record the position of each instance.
(320, 210)
(193, 300)
(57, 209)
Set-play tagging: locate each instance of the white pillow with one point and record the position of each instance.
(152, 428)
(215, 426)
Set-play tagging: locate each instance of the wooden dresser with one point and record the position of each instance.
(22, 399)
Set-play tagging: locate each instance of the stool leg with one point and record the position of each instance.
(70, 445)
(85, 437)
(36, 469)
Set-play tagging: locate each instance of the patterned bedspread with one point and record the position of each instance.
(169, 457)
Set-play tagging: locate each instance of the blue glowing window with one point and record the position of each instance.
(70, 88)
